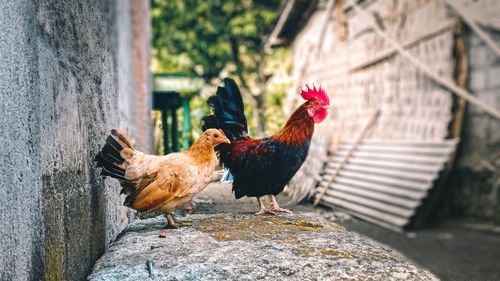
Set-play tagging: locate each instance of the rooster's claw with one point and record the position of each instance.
(281, 210)
(264, 211)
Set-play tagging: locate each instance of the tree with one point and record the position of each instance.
(213, 37)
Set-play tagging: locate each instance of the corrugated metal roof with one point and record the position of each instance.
(385, 182)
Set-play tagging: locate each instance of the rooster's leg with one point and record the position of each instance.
(276, 208)
(262, 208)
(171, 221)
(182, 222)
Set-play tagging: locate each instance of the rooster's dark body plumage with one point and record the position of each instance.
(259, 166)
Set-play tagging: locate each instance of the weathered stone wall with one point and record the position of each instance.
(475, 182)
(65, 80)
(21, 226)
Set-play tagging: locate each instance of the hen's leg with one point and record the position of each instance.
(262, 208)
(276, 208)
(182, 222)
(171, 221)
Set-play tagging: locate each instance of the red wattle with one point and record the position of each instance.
(319, 116)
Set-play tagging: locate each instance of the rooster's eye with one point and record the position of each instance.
(216, 135)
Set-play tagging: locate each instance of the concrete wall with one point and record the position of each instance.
(475, 183)
(66, 79)
(21, 226)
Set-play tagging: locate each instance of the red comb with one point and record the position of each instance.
(222, 132)
(315, 93)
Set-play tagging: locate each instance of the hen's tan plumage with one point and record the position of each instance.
(160, 183)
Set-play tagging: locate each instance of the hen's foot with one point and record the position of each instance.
(172, 226)
(173, 223)
(182, 223)
(264, 211)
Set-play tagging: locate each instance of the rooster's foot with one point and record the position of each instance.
(264, 211)
(281, 210)
(276, 208)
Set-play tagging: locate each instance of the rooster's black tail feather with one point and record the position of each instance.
(228, 111)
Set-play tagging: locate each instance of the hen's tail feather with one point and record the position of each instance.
(122, 138)
(109, 158)
(228, 111)
(111, 151)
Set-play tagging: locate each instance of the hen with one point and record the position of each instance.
(160, 183)
(263, 166)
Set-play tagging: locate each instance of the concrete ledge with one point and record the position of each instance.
(245, 247)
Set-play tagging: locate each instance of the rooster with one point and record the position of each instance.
(263, 166)
(160, 183)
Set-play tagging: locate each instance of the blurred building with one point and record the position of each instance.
(408, 167)
(70, 71)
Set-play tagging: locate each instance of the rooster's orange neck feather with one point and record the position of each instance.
(298, 129)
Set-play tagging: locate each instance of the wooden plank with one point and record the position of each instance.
(387, 172)
(402, 192)
(395, 210)
(395, 220)
(391, 199)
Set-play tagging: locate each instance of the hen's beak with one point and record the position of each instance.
(326, 106)
(224, 139)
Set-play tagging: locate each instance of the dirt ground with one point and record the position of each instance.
(451, 250)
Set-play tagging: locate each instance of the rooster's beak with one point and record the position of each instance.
(326, 106)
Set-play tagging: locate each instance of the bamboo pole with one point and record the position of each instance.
(461, 70)
(475, 27)
(450, 85)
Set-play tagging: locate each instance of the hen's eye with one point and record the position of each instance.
(216, 135)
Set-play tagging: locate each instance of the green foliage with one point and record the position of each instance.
(214, 39)
(198, 37)
(275, 116)
(199, 109)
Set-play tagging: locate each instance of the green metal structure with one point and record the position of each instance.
(170, 93)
